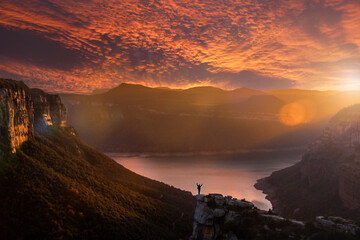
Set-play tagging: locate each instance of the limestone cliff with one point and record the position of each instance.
(16, 115)
(227, 218)
(23, 111)
(328, 172)
(48, 109)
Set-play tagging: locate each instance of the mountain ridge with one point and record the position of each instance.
(135, 118)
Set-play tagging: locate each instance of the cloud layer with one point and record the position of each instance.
(79, 45)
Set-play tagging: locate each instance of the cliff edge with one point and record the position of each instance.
(24, 110)
(227, 218)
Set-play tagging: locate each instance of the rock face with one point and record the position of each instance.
(337, 224)
(16, 115)
(342, 167)
(227, 218)
(212, 212)
(328, 172)
(348, 121)
(349, 186)
(22, 111)
(48, 109)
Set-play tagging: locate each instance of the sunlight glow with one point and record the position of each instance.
(296, 113)
(351, 82)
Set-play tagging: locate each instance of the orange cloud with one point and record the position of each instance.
(288, 43)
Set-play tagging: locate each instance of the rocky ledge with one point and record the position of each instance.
(219, 217)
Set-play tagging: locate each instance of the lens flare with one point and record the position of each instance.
(296, 113)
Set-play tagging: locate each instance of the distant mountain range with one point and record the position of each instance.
(135, 118)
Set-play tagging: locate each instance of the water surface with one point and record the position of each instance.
(233, 175)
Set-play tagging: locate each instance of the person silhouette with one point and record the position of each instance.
(199, 187)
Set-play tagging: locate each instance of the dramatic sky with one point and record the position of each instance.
(80, 45)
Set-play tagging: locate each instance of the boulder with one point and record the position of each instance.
(218, 212)
(203, 214)
(337, 224)
(240, 203)
(219, 200)
(200, 197)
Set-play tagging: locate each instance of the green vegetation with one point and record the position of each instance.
(57, 187)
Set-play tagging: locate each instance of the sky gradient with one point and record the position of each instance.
(80, 45)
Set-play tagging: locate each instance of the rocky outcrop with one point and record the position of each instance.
(23, 111)
(337, 224)
(227, 218)
(212, 212)
(48, 109)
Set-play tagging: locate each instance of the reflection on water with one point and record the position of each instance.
(233, 175)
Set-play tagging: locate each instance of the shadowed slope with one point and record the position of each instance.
(56, 186)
